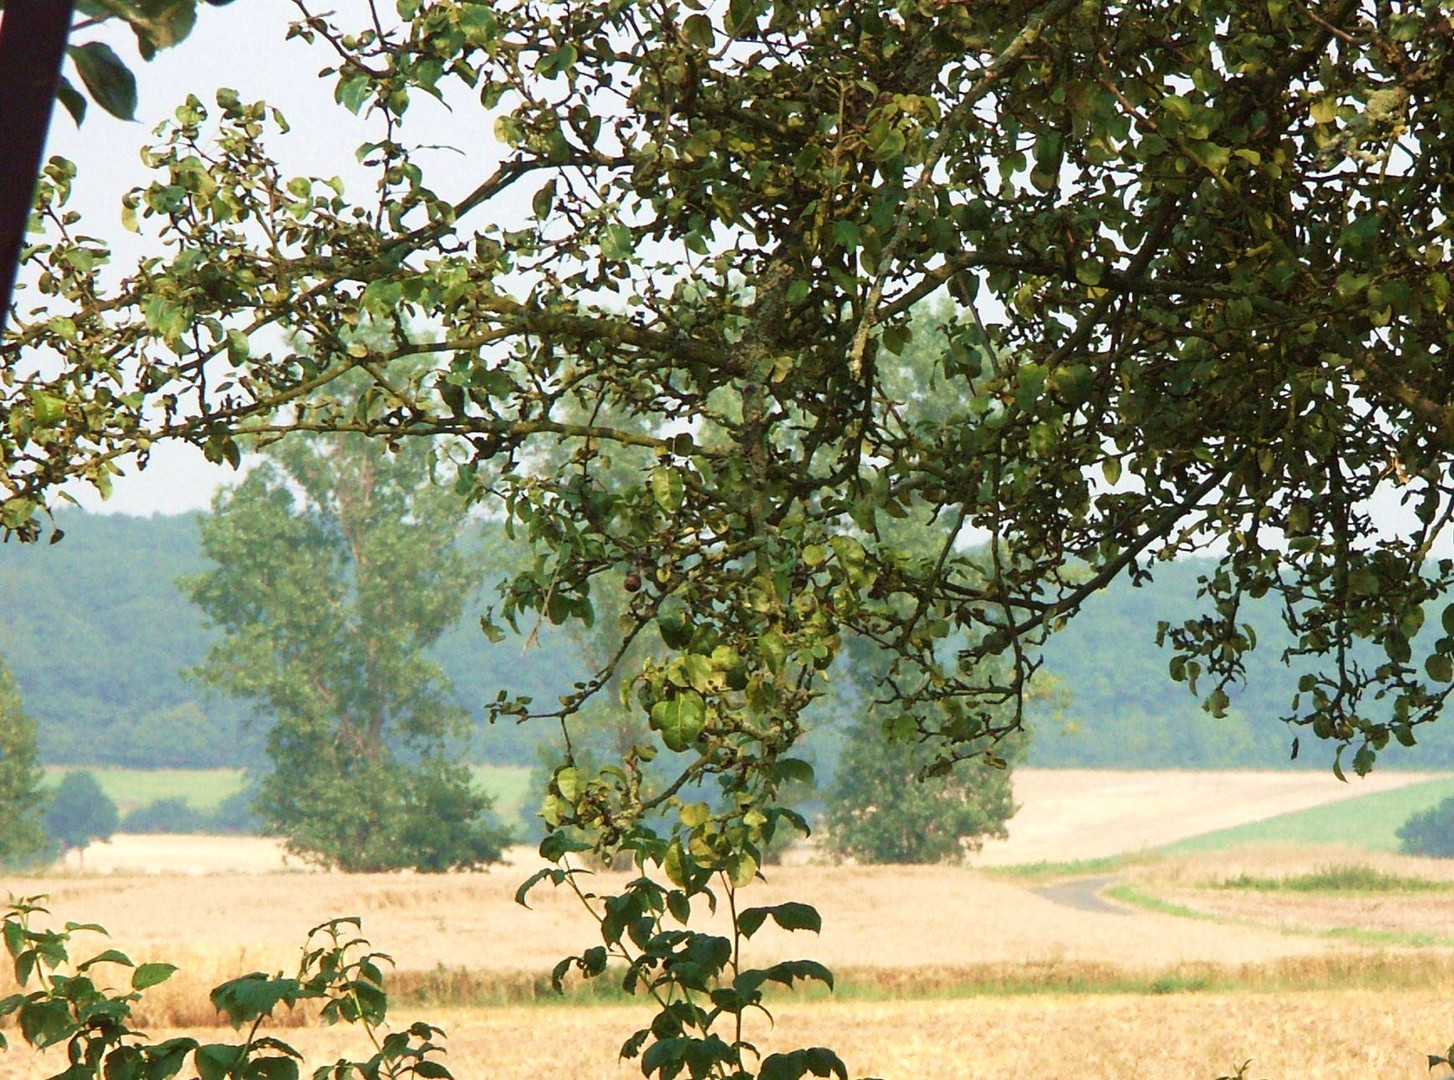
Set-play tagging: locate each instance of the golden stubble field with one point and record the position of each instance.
(919, 925)
(906, 941)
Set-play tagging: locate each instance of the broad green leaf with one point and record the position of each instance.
(109, 81)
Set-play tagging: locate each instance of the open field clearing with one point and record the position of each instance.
(874, 917)
(1342, 1035)
(1369, 822)
(130, 789)
(1072, 814)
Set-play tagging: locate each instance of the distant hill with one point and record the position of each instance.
(1125, 712)
(97, 635)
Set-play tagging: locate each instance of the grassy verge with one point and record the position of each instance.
(1363, 970)
(1040, 873)
(1129, 894)
(1336, 879)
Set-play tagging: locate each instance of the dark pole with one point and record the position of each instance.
(32, 45)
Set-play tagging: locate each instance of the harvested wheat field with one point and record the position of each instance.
(1344, 1035)
(935, 964)
(873, 917)
(1068, 814)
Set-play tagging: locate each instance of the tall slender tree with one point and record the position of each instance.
(337, 565)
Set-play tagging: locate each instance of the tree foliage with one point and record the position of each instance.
(1200, 258)
(79, 812)
(336, 565)
(883, 808)
(105, 77)
(22, 835)
(1429, 832)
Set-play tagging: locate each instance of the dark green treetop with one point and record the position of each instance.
(79, 812)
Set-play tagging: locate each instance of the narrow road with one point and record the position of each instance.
(1083, 894)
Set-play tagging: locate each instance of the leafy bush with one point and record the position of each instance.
(337, 971)
(879, 809)
(80, 812)
(1430, 832)
(165, 816)
(22, 837)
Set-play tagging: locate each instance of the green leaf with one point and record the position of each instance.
(789, 916)
(271, 1068)
(215, 1061)
(149, 975)
(680, 719)
(109, 80)
(47, 410)
(571, 784)
(617, 243)
(741, 868)
(351, 92)
(110, 956)
(70, 97)
(245, 999)
(666, 487)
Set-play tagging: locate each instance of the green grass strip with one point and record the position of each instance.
(1336, 879)
(1368, 822)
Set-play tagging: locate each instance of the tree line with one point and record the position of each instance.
(72, 611)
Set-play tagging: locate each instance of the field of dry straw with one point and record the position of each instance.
(945, 972)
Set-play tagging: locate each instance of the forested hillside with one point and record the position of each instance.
(1122, 709)
(97, 635)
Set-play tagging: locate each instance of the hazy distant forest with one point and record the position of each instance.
(97, 635)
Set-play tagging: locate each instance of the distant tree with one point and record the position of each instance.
(1430, 832)
(337, 564)
(165, 816)
(80, 812)
(237, 813)
(880, 810)
(22, 835)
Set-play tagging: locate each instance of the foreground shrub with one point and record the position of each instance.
(66, 1003)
